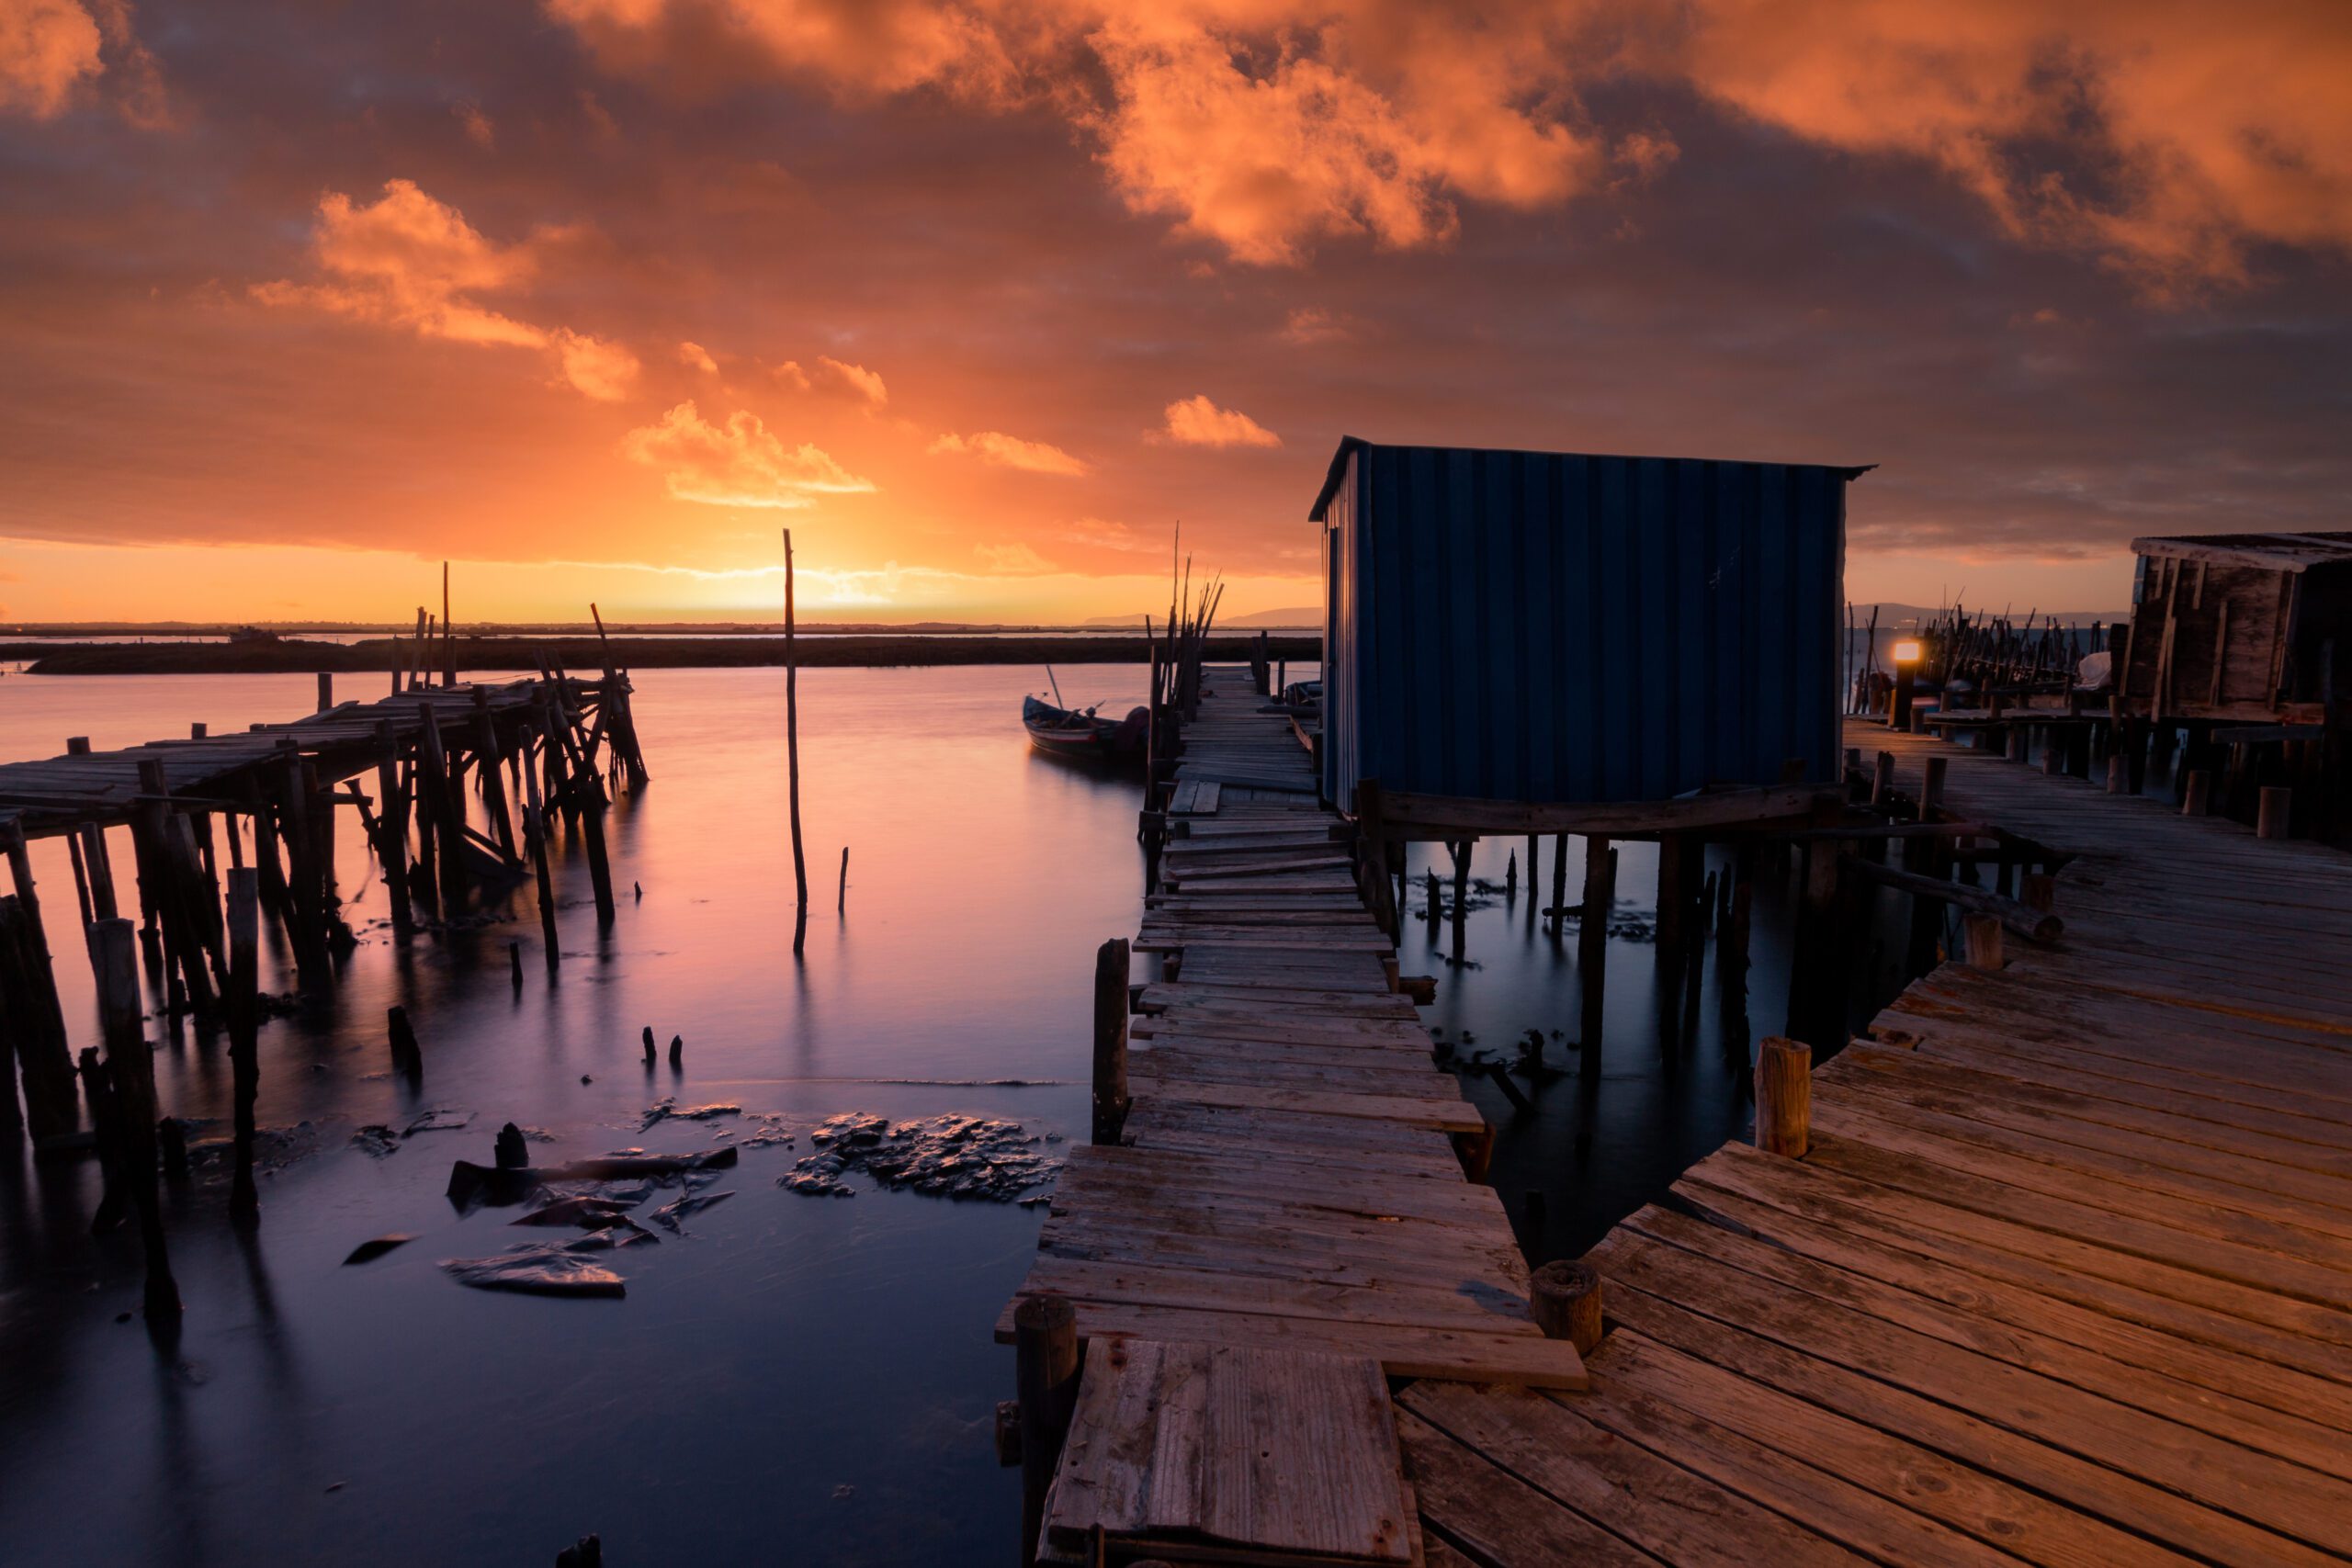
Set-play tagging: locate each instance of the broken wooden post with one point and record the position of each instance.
(1565, 1300)
(2197, 793)
(1881, 778)
(1045, 1374)
(36, 1030)
(2038, 890)
(130, 1079)
(2278, 801)
(326, 691)
(1982, 937)
(407, 1057)
(1671, 899)
(1111, 965)
(1783, 1096)
(77, 745)
(244, 995)
(841, 895)
(2119, 774)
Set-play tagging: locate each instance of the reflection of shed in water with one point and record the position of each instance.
(1589, 636)
(2240, 627)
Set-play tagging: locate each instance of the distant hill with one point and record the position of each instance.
(1309, 617)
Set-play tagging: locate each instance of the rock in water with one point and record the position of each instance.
(670, 1213)
(536, 1268)
(588, 1214)
(369, 1251)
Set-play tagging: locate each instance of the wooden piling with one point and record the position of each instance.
(792, 764)
(431, 775)
(1882, 779)
(2196, 793)
(407, 1055)
(1045, 1341)
(391, 830)
(1111, 967)
(1559, 880)
(534, 835)
(244, 995)
(1783, 1096)
(2277, 802)
(1565, 1300)
(1592, 945)
(326, 690)
(841, 895)
(1671, 898)
(36, 1031)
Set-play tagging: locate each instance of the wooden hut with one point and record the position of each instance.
(2243, 628)
(1553, 642)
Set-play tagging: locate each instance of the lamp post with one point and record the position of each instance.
(1907, 667)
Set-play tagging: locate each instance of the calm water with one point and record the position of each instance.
(812, 1379)
(806, 1379)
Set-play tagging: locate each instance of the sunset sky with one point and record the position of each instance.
(594, 295)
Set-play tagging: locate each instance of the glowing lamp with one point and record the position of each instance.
(1906, 653)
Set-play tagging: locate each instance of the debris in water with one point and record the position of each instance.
(470, 1183)
(376, 1141)
(621, 1231)
(440, 1119)
(669, 1215)
(946, 1157)
(369, 1251)
(771, 1131)
(537, 1268)
(510, 1149)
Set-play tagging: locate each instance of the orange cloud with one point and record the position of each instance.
(410, 261)
(1012, 452)
(2169, 139)
(1196, 421)
(2166, 138)
(1311, 324)
(479, 129)
(47, 49)
(736, 464)
(698, 357)
(856, 379)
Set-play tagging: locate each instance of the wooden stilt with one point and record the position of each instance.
(244, 986)
(2277, 802)
(1592, 945)
(534, 834)
(129, 1076)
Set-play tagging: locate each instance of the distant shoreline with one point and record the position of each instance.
(587, 654)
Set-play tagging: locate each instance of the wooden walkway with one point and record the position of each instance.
(2065, 1277)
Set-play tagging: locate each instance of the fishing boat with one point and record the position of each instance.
(1079, 732)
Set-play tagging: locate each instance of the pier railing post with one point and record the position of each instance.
(1783, 1097)
(1045, 1342)
(2196, 793)
(1109, 1040)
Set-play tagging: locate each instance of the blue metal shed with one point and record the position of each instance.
(1551, 627)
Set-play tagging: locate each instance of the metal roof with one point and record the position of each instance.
(1351, 443)
(2277, 552)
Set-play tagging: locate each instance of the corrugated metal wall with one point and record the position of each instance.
(1537, 626)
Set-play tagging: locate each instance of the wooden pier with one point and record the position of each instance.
(2057, 1269)
(528, 750)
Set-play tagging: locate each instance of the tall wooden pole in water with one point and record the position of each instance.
(792, 751)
